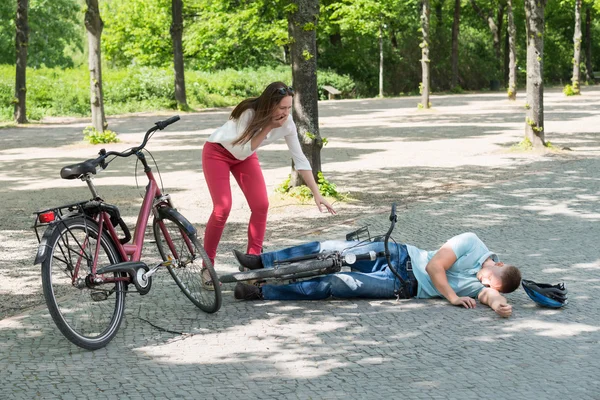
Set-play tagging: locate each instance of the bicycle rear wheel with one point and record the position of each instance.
(190, 268)
(301, 269)
(88, 315)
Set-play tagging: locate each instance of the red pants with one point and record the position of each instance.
(217, 163)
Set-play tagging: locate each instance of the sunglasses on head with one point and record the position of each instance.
(285, 90)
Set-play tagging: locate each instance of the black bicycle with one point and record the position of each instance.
(324, 263)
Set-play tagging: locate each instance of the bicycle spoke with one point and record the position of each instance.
(191, 269)
(87, 315)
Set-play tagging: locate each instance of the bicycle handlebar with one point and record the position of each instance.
(160, 125)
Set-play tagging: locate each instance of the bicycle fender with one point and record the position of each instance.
(164, 212)
(42, 252)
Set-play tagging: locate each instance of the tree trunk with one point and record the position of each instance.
(94, 26)
(455, 31)
(495, 28)
(176, 34)
(380, 61)
(589, 69)
(534, 119)
(512, 54)
(498, 32)
(577, 48)
(21, 43)
(426, 79)
(302, 24)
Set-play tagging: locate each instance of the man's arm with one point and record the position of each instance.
(492, 298)
(437, 267)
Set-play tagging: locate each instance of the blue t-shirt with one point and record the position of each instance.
(470, 253)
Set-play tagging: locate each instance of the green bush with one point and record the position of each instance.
(66, 92)
(343, 83)
(569, 90)
(94, 137)
(303, 192)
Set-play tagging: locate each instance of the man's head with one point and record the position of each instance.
(497, 275)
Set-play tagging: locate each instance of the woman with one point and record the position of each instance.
(254, 123)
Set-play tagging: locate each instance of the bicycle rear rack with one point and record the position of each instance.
(45, 217)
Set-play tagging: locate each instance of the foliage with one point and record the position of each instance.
(55, 29)
(251, 35)
(304, 194)
(523, 145)
(244, 33)
(136, 32)
(343, 83)
(55, 91)
(569, 90)
(94, 137)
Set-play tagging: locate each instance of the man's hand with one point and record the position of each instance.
(465, 302)
(492, 298)
(504, 310)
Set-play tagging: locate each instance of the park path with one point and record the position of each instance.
(450, 170)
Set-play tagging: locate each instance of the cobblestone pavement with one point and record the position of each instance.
(538, 212)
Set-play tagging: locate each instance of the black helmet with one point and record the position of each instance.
(544, 294)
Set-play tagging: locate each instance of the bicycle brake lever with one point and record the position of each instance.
(102, 152)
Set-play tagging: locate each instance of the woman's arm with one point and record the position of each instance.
(314, 188)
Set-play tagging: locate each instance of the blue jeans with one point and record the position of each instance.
(369, 279)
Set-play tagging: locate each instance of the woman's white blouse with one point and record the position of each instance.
(233, 129)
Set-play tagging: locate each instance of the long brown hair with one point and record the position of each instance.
(263, 107)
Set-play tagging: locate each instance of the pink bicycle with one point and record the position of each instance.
(87, 269)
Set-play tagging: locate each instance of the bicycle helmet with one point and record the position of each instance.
(546, 295)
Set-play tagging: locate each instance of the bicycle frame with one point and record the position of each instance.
(153, 201)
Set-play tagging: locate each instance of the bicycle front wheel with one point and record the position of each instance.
(89, 315)
(190, 266)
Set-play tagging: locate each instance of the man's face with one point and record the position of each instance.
(492, 275)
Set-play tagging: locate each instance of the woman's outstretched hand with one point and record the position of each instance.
(322, 203)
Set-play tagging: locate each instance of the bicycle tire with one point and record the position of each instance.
(287, 271)
(65, 296)
(186, 273)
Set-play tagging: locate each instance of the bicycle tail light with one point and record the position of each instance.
(46, 217)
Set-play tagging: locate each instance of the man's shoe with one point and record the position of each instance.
(243, 291)
(249, 261)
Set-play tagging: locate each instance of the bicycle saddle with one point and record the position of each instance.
(76, 170)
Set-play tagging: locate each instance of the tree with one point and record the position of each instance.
(455, 32)
(21, 42)
(176, 34)
(368, 18)
(534, 119)
(94, 26)
(577, 48)
(54, 32)
(589, 70)
(512, 53)
(495, 26)
(426, 80)
(137, 32)
(302, 25)
(235, 34)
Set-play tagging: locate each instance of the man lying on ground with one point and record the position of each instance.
(460, 271)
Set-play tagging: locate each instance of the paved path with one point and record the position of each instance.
(450, 172)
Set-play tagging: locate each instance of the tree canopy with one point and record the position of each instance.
(55, 32)
(238, 34)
